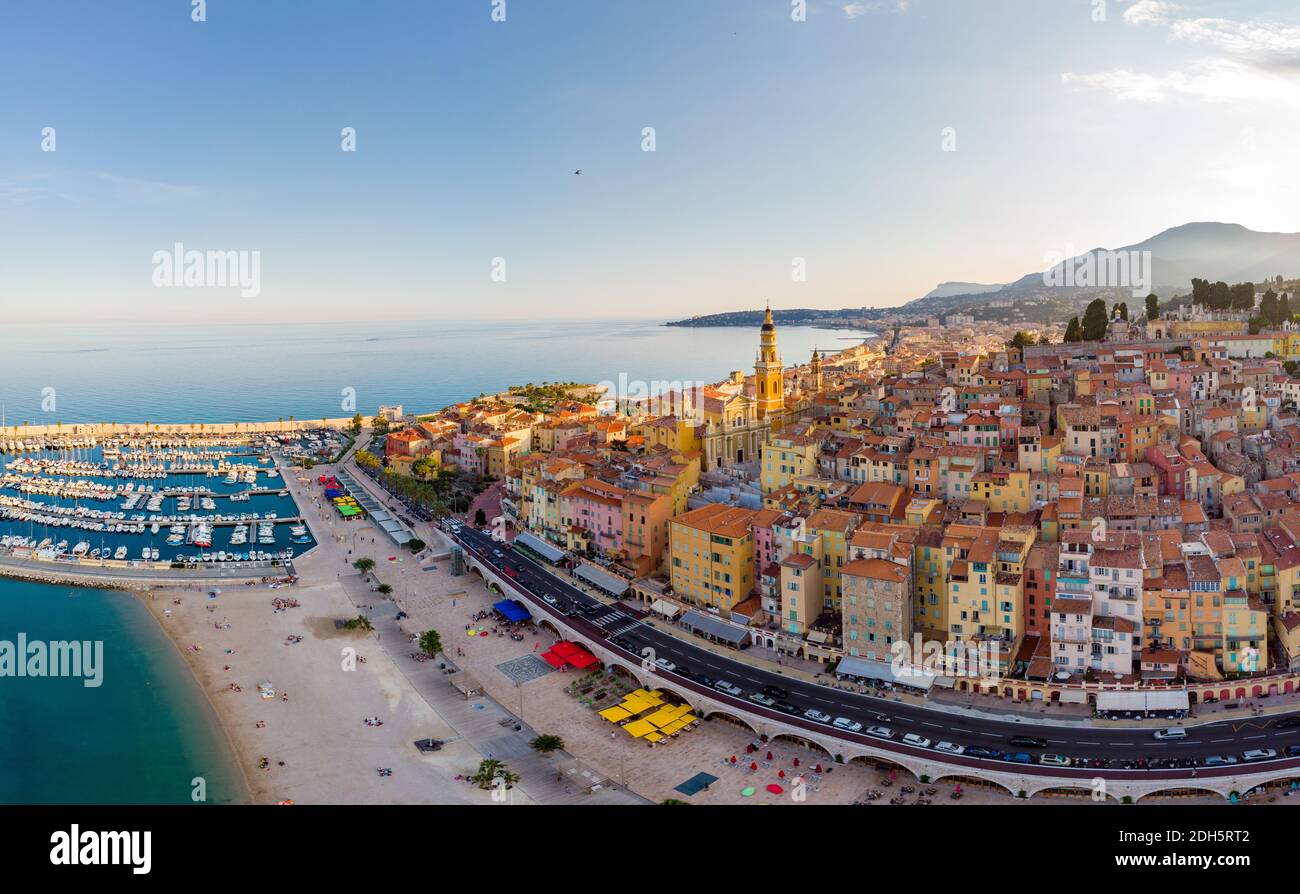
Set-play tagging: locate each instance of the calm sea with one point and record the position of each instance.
(139, 738)
(236, 372)
(143, 735)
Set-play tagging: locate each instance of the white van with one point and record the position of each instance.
(1174, 732)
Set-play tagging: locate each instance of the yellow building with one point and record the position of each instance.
(1003, 491)
(786, 457)
(712, 556)
(769, 373)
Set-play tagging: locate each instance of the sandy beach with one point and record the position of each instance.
(312, 732)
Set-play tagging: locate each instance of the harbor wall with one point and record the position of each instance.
(111, 429)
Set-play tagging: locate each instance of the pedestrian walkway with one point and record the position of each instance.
(477, 719)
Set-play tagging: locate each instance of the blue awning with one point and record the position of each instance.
(538, 546)
(512, 610)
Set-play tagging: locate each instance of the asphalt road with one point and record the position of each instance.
(1116, 747)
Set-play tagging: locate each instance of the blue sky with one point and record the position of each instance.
(776, 140)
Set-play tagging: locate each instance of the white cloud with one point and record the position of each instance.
(1263, 42)
(1149, 12)
(1215, 81)
(862, 7)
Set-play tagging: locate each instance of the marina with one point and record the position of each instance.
(148, 502)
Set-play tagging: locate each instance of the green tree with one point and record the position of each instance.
(356, 424)
(1073, 331)
(1153, 306)
(1095, 321)
(360, 622)
(1242, 296)
(1268, 307)
(546, 744)
(380, 424)
(384, 589)
(1020, 340)
(490, 770)
(1220, 296)
(430, 643)
(367, 460)
(365, 564)
(1201, 292)
(1283, 308)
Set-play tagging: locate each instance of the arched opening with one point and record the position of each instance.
(730, 719)
(1181, 794)
(801, 742)
(1075, 793)
(955, 779)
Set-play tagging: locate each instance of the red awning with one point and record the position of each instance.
(553, 660)
(582, 660)
(565, 648)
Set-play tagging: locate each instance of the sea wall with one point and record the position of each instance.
(110, 429)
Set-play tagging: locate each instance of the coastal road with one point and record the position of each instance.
(604, 623)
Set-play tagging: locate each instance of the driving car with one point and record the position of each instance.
(759, 698)
(1028, 741)
(949, 748)
(817, 716)
(776, 692)
(1174, 732)
(728, 687)
(1287, 722)
(844, 723)
(918, 741)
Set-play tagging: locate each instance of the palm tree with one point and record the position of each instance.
(364, 564)
(430, 643)
(385, 589)
(545, 744)
(490, 770)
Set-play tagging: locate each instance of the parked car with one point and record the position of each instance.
(1018, 757)
(665, 664)
(981, 751)
(817, 716)
(759, 698)
(1220, 760)
(949, 748)
(844, 723)
(918, 741)
(549, 599)
(880, 732)
(728, 687)
(1293, 751)
(1028, 741)
(776, 692)
(1054, 760)
(704, 680)
(1259, 754)
(787, 708)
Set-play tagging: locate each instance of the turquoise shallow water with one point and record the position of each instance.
(139, 738)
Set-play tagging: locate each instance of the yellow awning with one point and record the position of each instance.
(653, 737)
(662, 717)
(638, 728)
(615, 714)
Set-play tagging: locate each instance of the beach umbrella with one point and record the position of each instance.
(781, 774)
(747, 791)
(775, 789)
(769, 755)
(733, 758)
(796, 761)
(753, 766)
